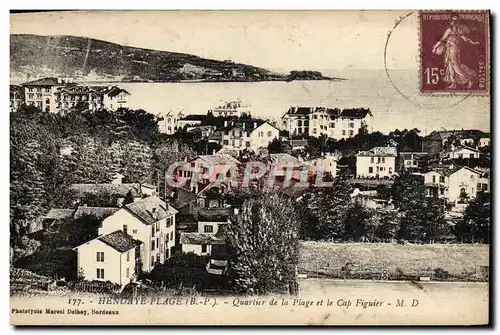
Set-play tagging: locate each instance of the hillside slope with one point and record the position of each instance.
(93, 60)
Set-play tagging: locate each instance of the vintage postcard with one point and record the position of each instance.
(250, 168)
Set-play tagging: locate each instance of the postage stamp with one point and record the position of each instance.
(454, 51)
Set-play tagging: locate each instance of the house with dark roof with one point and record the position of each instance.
(462, 152)
(149, 220)
(378, 162)
(454, 183)
(41, 93)
(249, 134)
(115, 97)
(331, 122)
(52, 94)
(110, 257)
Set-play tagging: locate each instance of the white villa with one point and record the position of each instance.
(378, 162)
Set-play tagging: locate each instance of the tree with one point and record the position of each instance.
(129, 198)
(422, 218)
(275, 147)
(475, 226)
(355, 222)
(263, 239)
(325, 210)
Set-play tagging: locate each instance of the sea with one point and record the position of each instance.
(392, 96)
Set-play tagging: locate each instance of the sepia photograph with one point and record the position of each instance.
(250, 167)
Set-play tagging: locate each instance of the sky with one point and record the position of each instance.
(300, 40)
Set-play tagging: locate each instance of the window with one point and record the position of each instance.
(100, 256)
(30, 89)
(167, 223)
(314, 131)
(343, 132)
(125, 229)
(158, 242)
(441, 179)
(433, 179)
(47, 101)
(166, 239)
(38, 89)
(248, 144)
(128, 256)
(471, 155)
(153, 245)
(152, 260)
(134, 231)
(332, 124)
(460, 156)
(127, 273)
(269, 134)
(157, 224)
(172, 235)
(30, 96)
(157, 258)
(203, 248)
(372, 160)
(408, 162)
(351, 132)
(100, 273)
(370, 169)
(208, 229)
(225, 142)
(351, 124)
(152, 230)
(383, 159)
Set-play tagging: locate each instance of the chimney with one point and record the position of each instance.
(59, 80)
(244, 125)
(225, 123)
(254, 125)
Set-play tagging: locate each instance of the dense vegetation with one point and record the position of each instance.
(329, 214)
(50, 151)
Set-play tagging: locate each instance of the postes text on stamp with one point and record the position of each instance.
(454, 51)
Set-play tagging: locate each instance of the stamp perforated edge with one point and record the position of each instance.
(464, 93)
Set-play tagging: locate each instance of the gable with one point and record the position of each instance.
(120, 218)
(91, 245)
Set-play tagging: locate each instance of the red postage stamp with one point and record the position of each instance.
(454, 51)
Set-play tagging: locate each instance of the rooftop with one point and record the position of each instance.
(150, 210)
(47, 81)
(115, 90)
(98, 212)
(119, 241)
(59, 214)
(379, 152)
(218, 159)
(200, 238)
(82, 190)
(283, 160)
(356, 113)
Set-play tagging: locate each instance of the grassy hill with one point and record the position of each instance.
(87, 59)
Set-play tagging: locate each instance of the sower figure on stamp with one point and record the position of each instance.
(456, 73)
